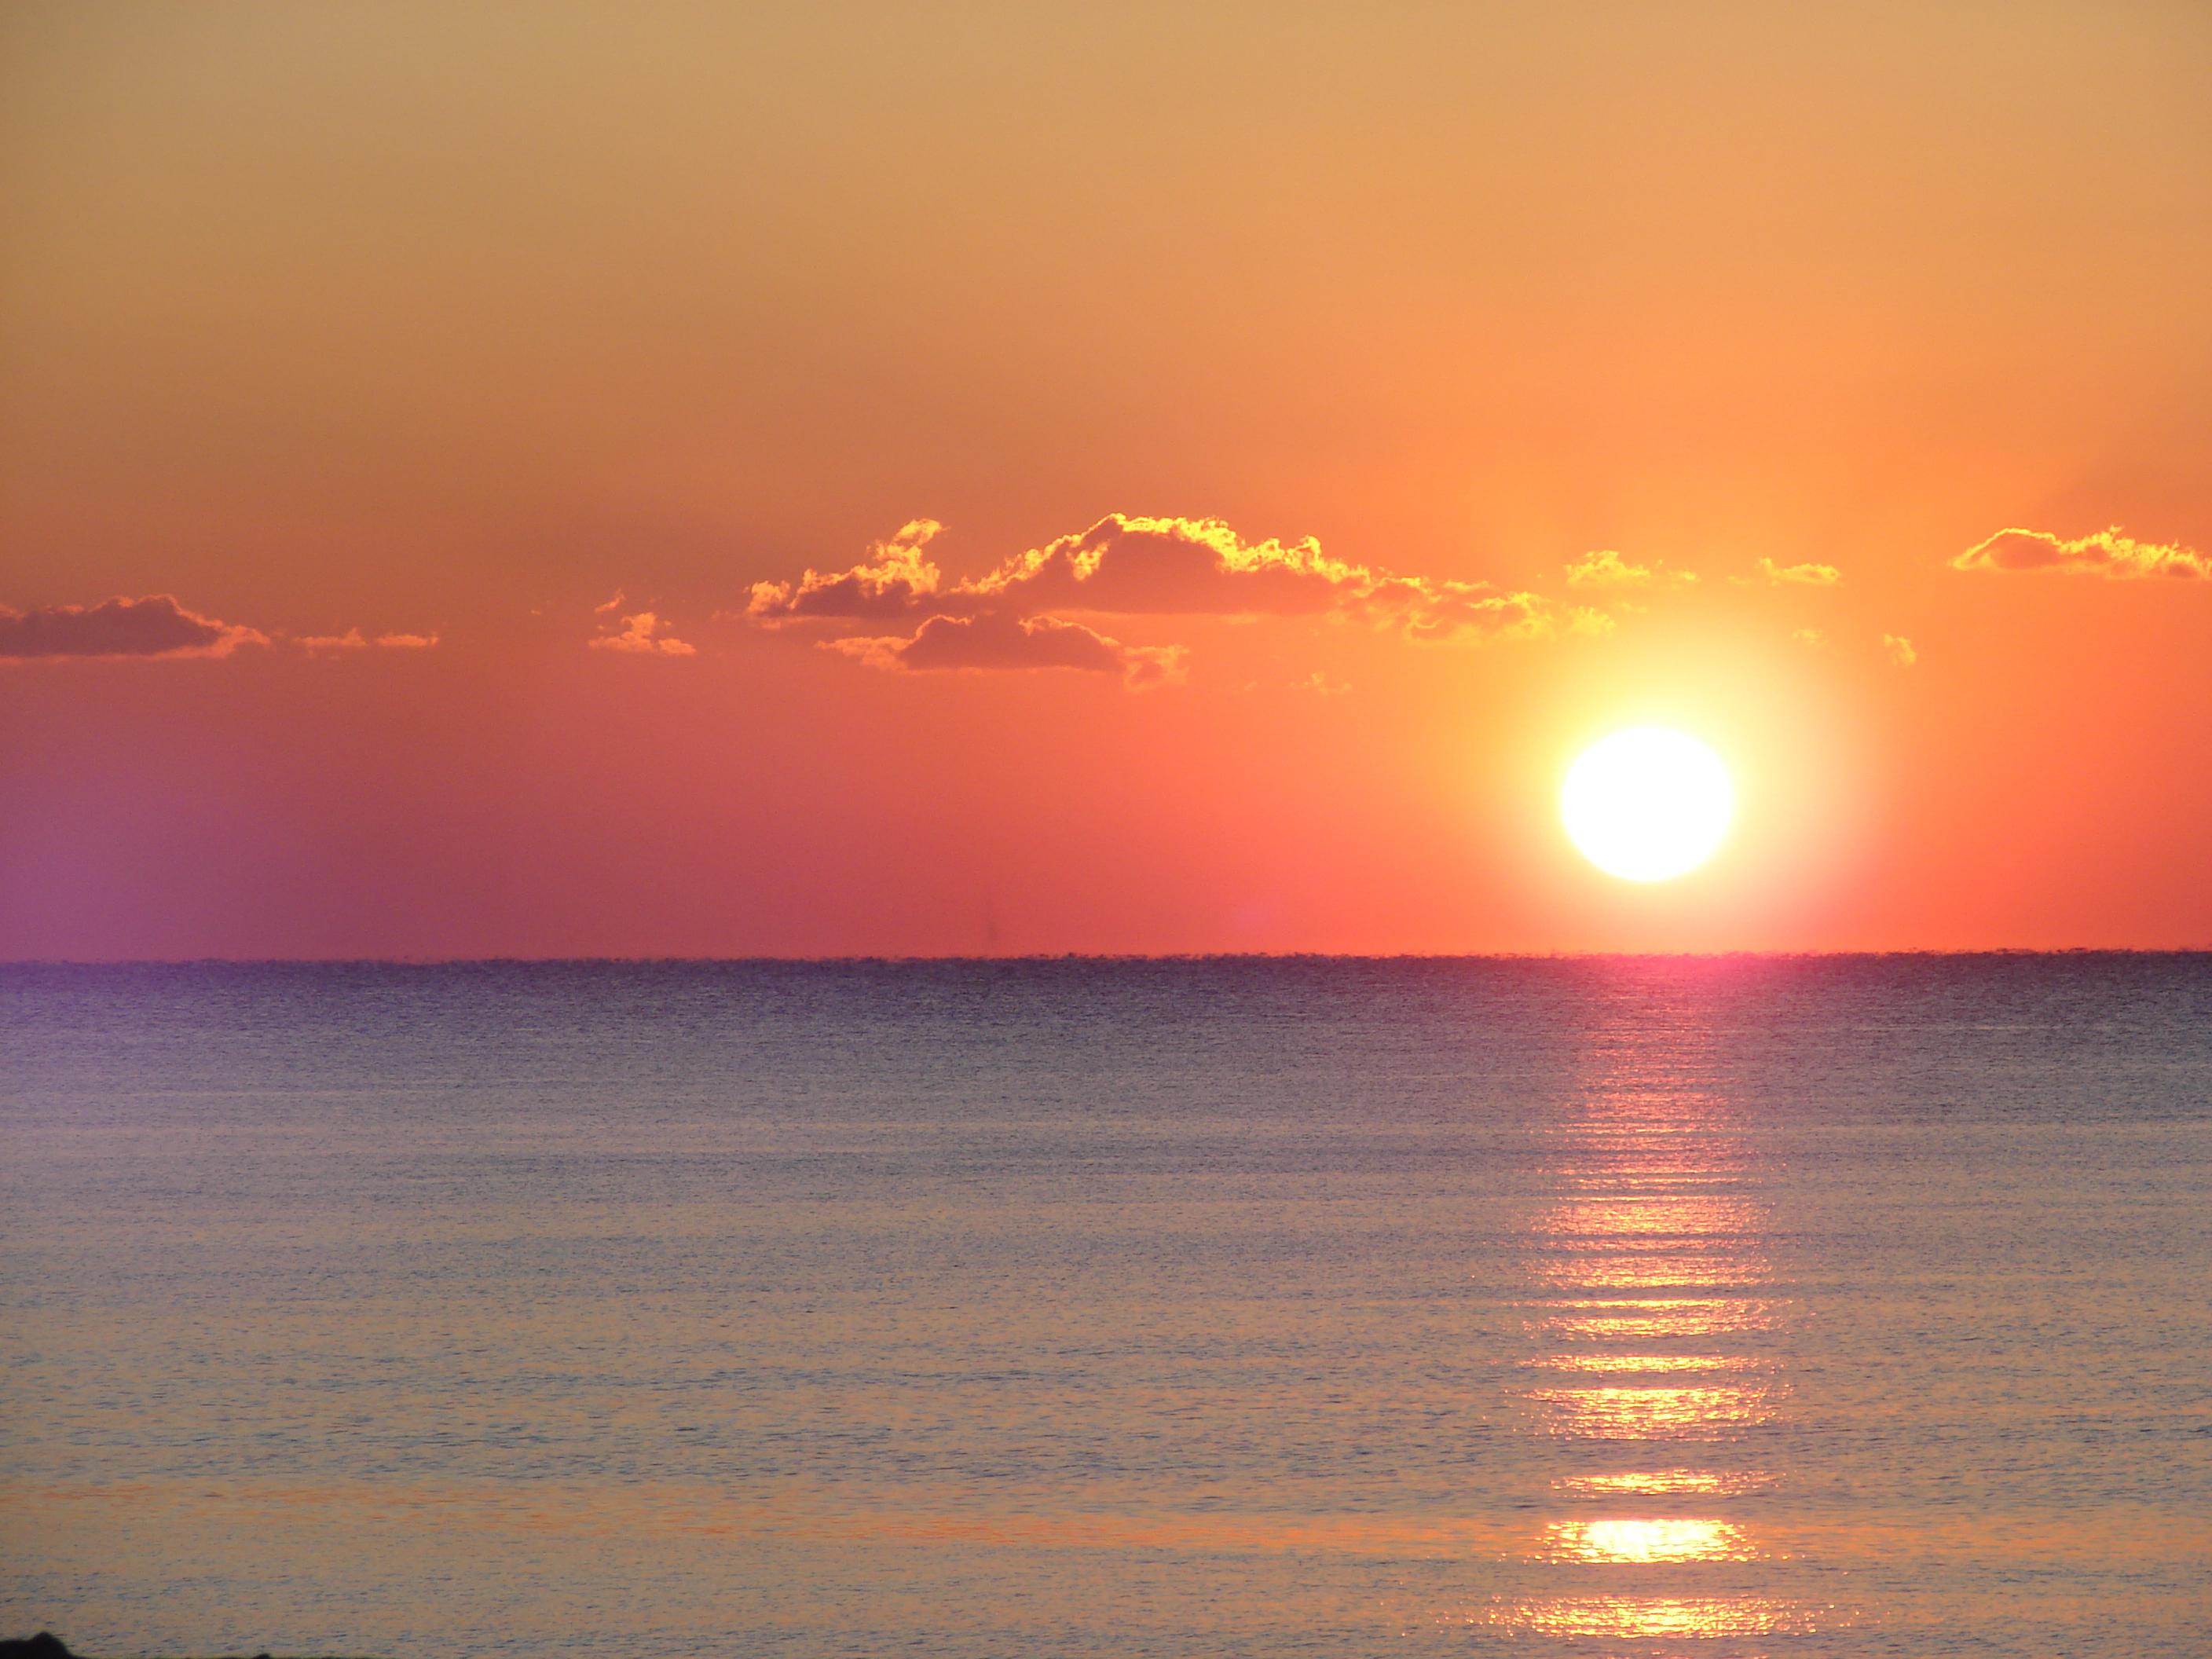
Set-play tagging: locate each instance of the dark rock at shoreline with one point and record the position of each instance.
(47, 1645)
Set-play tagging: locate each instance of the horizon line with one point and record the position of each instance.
(1037, 959)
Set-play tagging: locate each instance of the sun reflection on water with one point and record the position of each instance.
(1611, 1362)
(1682, 1216)
(1640, 1273)
(1650, 1483)
(1627, 1617)
(1655, 1412)
(1657, 1304)
(1626, 1539)
(1645, 1318)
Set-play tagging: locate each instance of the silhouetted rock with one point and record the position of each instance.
(47, 1645)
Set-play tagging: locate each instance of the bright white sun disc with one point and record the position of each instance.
(1647, 803)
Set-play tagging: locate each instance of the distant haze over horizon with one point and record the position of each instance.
(840, 481)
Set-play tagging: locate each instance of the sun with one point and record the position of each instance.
(1647, 804)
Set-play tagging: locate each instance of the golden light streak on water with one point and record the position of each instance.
(1617, 1218)
(1658, 1482)
(1656, 1412)
(1632, 1618)
(1608, 1364)
(1659, 1223)
(1625, 1272)
(1640, 1319)
(1621, 1538)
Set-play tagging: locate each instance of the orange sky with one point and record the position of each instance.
(1326, 411)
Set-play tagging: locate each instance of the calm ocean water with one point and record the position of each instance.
(1721, 1307)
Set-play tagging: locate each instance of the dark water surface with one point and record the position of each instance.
(1725, 1307)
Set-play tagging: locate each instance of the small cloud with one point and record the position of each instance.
(2107, 553)
(153, 626)
(1607, 568)
(998, 641)
(354, 640)
(642, 633)
(1899, 650)
(1316, 683)
(1582, 620)
(614, 604)
(1807, 575)
(1432, 611)
(1812, 638)
(896, 579)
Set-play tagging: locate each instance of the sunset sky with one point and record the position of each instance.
(832, 480)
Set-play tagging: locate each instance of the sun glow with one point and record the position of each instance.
(1647, 804)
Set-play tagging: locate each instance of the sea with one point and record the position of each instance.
(1596, 1307)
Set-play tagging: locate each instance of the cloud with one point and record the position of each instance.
(896, 579)
(999, 640)
(1607, 568)
(1808, 575)
(1019, 614)
(641, 633)
(1811, 637)
(1899, 650)
(155, 626)
(1316, 683)
(1126, 565)
(1433, 611)
(2107, 553)
(1133, 566)
(1121, 565)
(353, 640)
